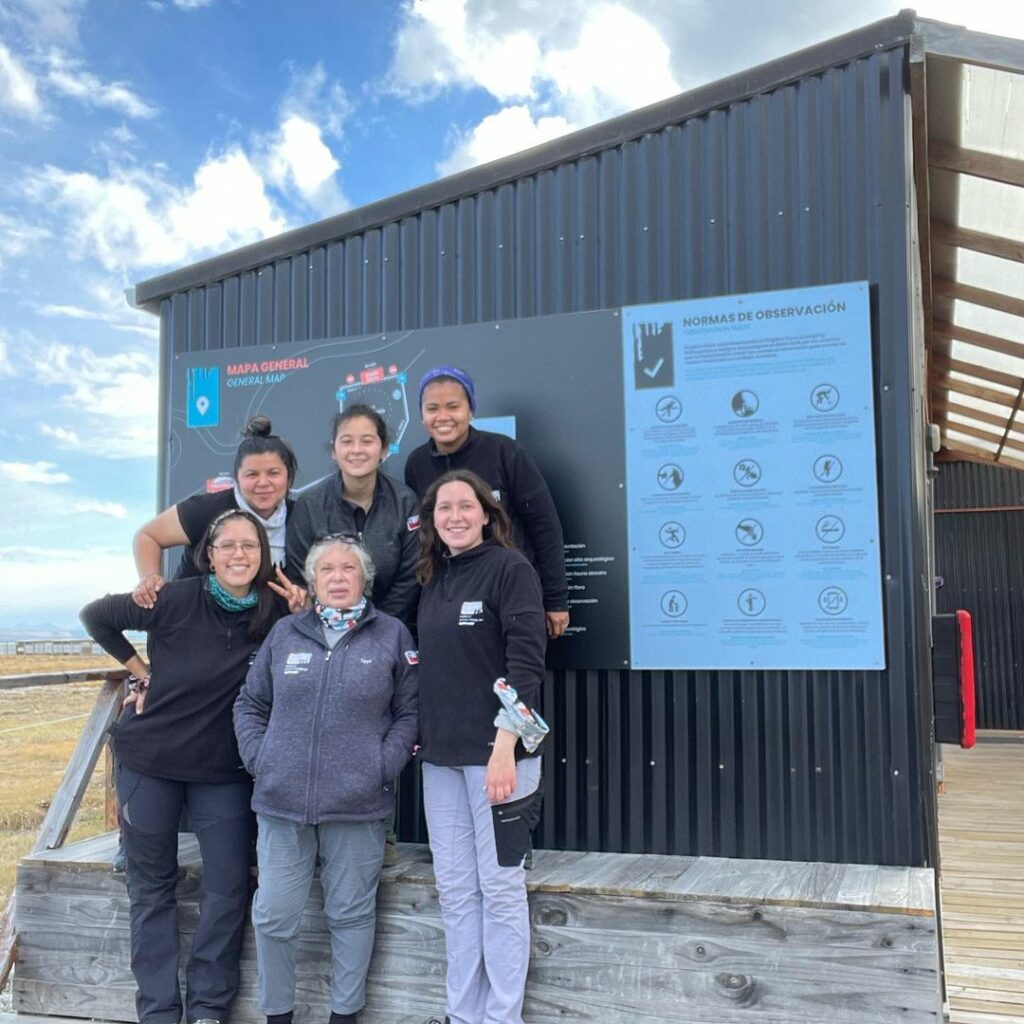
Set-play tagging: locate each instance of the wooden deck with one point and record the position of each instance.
(648, 939)
(981, 838)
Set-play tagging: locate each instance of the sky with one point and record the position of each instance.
(139, 136)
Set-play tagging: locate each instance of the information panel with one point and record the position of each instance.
(751, 492)
(713, 461)
(554, 383)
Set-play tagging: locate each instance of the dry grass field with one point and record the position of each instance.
(39, 727)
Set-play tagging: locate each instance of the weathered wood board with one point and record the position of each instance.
(650, 939)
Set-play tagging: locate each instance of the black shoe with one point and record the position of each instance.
(342, 1018)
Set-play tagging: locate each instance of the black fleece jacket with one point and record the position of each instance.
(389, 530)
(482, 618)
(507, 467)
(198, 655)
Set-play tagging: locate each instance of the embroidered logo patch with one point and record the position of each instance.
(412, 523)
(413, 657)
(297, 661)
(471, 613)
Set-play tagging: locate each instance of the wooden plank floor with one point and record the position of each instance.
(981, 838)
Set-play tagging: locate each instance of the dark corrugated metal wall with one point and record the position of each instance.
(980, 557)
(804, 186)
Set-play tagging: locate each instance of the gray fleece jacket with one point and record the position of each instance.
(325, 732)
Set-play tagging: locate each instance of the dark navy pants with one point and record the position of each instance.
(224, 826)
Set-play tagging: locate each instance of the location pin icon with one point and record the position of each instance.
(202, 404)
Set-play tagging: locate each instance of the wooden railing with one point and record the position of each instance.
(60, 815)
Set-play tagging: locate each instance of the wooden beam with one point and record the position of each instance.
(985, 435)
(72, 788)
(978, 241)
(991, 342)
(79, 771)
(971, 453)
(978, 296)
(985, 394)
(949, 157)
(976, 414)
(8, 942)
(922, 204)
(946, 365)
(85, 675)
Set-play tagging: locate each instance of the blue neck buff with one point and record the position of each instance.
(227, 601)
(340, 618)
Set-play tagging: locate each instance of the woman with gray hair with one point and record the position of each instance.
(325, 722)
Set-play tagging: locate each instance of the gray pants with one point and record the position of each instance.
(351, 853)
(483, 906)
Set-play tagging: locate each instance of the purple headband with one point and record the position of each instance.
(456, 374)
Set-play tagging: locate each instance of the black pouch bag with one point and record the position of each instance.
(513, 823)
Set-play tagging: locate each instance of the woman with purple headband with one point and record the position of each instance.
(447, 403)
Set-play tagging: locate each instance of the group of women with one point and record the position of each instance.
(283, 680)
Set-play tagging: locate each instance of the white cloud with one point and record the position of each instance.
(68, 78)
(442, 43)
(6, 366)
(113, 509)
(192, 5)
(618, 63)
(52, 583)
(33, 473)
(18, 91)
(510, 130)
(995, 16)
(311, 95)
(554, 67)
(114, 399)
(115, 320)
(65, 438)
(44, 22)
(18, 237)
(136, 218)
(296, 159)
(299, 157)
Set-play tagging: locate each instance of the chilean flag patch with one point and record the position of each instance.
(413, 657)
(412, 523)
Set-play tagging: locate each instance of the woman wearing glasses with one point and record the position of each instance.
(175, 747)
(361, 501)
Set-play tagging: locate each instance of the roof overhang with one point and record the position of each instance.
(968, 95)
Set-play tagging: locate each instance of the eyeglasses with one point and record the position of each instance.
(250, 547)
(348, 538)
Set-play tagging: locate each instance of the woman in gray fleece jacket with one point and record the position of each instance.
(325, 722)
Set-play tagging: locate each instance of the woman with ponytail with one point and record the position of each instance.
(264, 470)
